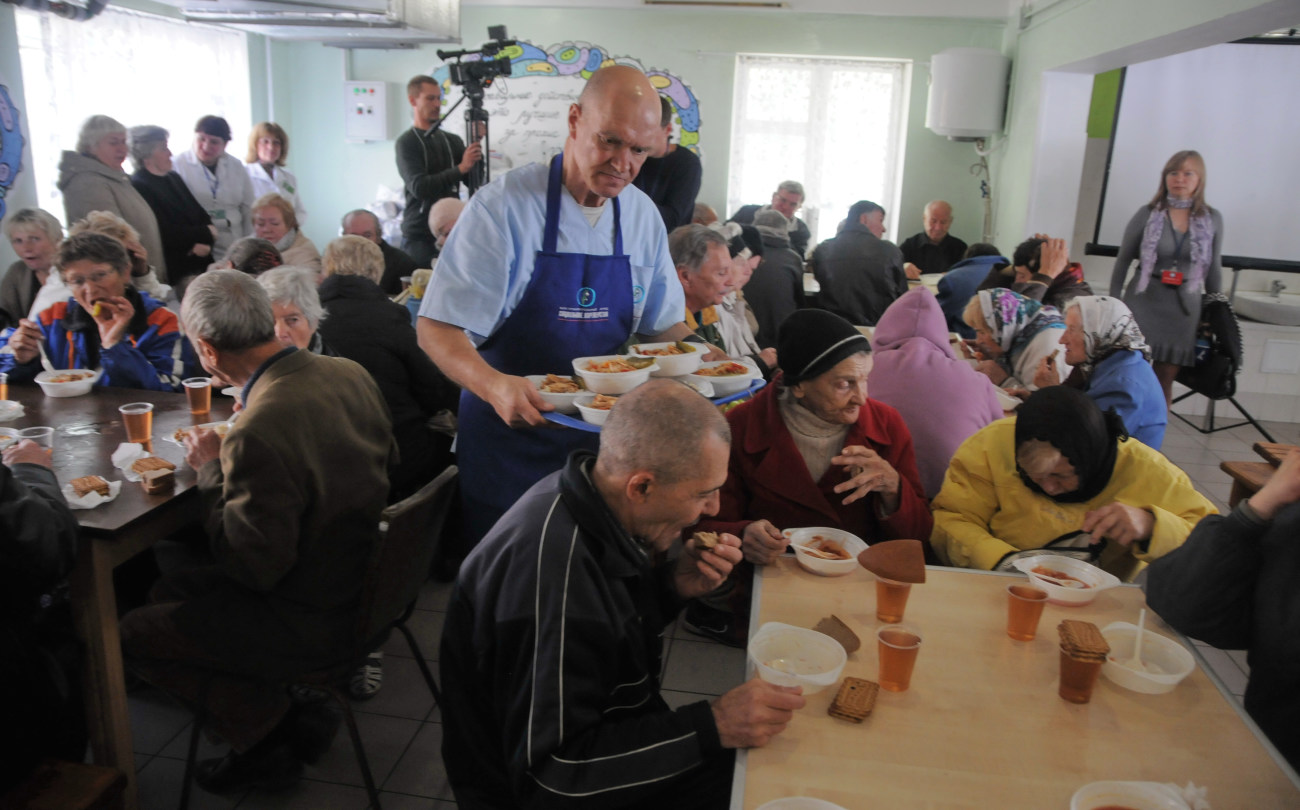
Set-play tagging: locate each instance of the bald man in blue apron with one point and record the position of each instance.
(548, 263)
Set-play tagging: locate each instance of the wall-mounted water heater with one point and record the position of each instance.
(968, 93)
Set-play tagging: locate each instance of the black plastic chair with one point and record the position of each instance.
(410, 533)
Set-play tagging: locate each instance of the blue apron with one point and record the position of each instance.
(575, 305)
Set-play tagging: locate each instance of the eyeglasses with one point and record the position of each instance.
(76, 282)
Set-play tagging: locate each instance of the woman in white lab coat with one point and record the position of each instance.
(268, 149)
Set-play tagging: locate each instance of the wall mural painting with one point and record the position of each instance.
(529, 109)
(11, 145)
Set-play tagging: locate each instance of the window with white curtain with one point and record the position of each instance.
(138, 68)
(837, 125)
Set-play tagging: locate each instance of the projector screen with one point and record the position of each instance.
(1237, 105)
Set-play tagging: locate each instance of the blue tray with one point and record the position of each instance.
(578, 423)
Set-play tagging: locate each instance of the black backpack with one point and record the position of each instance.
(1218, 353)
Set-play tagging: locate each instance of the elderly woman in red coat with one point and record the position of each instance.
(812, 449)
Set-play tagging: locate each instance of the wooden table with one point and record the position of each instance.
(1273, 452)
(982, 725)
(89, 429)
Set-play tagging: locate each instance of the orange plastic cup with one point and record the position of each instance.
(1024, 608)
(891, 599)
(898, 645)
(138, 419)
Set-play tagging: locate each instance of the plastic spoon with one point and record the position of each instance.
(1135, 661)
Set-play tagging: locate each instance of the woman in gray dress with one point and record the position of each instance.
(1176, 240)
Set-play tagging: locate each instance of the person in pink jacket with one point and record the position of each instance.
(941, 397)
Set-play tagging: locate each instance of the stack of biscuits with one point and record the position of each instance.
(156, 474)
(87, 484)
(855, 700)
(1082, 641)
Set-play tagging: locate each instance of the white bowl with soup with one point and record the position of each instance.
(674, 359)
(595, 408)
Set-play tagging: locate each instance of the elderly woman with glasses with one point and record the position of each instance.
(187, 230)
(297, 307)
(107, 324)
(34, 235)
(92, 179)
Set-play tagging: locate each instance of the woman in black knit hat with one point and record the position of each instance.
(811, 449)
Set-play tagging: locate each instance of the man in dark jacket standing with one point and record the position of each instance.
(432, 163)
(551, 651)
(860, 274)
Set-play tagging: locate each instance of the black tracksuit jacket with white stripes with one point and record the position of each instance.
(550, 662)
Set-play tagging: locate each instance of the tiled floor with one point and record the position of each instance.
(401, 727)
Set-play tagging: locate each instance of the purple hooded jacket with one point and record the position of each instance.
(942, 399)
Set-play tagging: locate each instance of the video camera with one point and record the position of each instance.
(474, 75)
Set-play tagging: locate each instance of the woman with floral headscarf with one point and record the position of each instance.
(1112, 365)
(1176, 239)
(1013, 335)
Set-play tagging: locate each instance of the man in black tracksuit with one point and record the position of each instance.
(551, 650)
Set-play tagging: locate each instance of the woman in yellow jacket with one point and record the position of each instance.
(1062, 477)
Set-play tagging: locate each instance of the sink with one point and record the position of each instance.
(1260, 306)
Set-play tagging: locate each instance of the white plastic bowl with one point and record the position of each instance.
(786, 655)
(671, 365)
(7, 437)
(564, 403)
(1135, 795)
(610, 382)
(725, 386)
(853, 544)
(1080, 570)
(595, 416)
(1172, 658)
(799, 803)
(67, 389)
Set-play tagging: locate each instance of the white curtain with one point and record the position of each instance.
(836, 125)
(135, 67)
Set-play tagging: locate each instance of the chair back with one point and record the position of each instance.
(400, 563)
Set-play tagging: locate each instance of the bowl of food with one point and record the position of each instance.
(727, 376)
(824, 551)
(1068, 581)
(559, 390)
(595, 408)
(786, 655)
(799, 803)
(67, 383)
(8, 436)
(674, 359)
(1163, 665)
(1127, 795)
(614, 374)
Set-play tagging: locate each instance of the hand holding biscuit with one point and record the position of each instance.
(201, 446)
(113, 319)
(700, 569)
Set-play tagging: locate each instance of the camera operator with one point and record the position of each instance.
(432, 163)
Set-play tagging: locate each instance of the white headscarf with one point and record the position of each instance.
(1108, 327)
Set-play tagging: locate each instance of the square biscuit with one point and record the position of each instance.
(855, 700)
(144, 465)
(89, 483)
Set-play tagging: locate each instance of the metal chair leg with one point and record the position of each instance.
(200, 717)
(419, 660)
(357, 747)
